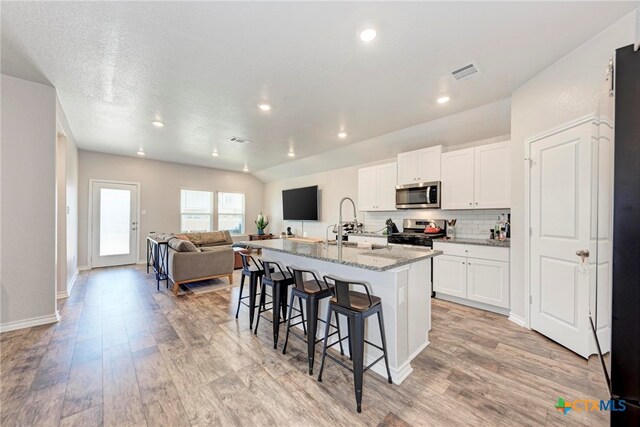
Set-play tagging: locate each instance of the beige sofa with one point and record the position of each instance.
(200, 256)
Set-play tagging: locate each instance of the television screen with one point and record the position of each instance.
(300, 204)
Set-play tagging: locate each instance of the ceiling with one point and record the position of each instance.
(202, 68)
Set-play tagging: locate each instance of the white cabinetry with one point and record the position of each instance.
(377, 188)
(457, 179)
(477, 178)
(492, 183)
(450, 275)
(419, 166)
(473, 274)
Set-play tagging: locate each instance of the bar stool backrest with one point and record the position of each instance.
(341, 290)
(247, 261)
(268, 267)
(298, 277)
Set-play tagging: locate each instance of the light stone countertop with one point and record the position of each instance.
(381, 258)
(478, 242)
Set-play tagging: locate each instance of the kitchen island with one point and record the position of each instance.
(401, 277)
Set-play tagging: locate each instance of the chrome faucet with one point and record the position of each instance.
(355, 221)
(326, 233)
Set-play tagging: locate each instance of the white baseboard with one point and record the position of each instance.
(474, 304)
(67, 293)
(517, 320)
(28, 323)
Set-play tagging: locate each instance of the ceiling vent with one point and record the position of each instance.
(465, 72)
(238, 140)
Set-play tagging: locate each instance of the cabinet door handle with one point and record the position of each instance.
(463, 263)
(470, 204)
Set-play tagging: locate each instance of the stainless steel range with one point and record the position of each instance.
(419, 232)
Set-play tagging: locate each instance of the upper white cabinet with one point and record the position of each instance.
(477, 178)
(457, 179)
(377, 188)
(492, 183)
(419, 166)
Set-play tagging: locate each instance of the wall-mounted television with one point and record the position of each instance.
(300, 204)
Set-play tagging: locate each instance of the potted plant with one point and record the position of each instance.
(261, 223)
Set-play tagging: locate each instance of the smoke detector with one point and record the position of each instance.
(238, 140)
(465, 72)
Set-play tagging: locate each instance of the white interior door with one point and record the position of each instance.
(114, 233)
(560, 219)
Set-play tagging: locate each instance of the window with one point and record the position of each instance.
(231, 212)
(196, 211)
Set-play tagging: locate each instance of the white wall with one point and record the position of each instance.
(160, 191)
(28, 244)
(61, 215)
(566, 90)
(338, 183)
(66, 205)
(71, 164)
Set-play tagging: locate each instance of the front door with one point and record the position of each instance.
(114, 233)
(560, 219)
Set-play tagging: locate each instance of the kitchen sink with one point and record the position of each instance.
(355, 245)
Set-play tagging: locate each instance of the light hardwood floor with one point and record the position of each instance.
(126, 355)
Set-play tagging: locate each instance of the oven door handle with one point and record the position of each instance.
(429, 194)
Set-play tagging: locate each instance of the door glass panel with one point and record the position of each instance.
(115, 217)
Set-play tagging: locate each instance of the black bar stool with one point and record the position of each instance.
(279, 281)
(311, 291)
(254, 271)
(357, 307)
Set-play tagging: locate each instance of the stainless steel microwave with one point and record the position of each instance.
(425, 195)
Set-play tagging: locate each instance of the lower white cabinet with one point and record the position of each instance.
(450, 275)
(488, 281)
(474, 273)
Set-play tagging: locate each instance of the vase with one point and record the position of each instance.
(260, 231)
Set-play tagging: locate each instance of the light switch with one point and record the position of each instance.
(401, 296)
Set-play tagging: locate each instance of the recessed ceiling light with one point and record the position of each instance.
(342, 135)
(140, 153)
(291, 154)
(264, 106)
(368, 35)
(246, 169)
(157, 123)
(215, 154)
(443, 100)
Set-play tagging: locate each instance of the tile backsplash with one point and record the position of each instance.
(472, 223)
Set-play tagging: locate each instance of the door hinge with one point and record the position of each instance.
(530, 299)
(530, 231)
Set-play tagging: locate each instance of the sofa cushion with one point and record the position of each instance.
(211, 238)
(181, 236)
(180, 245)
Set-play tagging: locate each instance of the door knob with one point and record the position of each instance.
(583, 254)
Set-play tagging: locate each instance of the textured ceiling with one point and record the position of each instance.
(202, 68)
